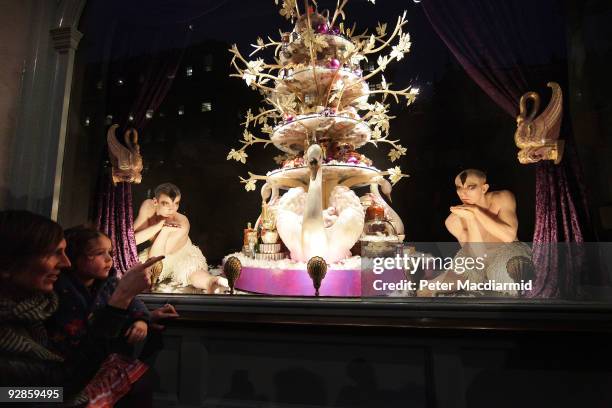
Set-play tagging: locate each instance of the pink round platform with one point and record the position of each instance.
(295, 282)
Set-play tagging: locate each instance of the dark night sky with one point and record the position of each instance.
(241, 22)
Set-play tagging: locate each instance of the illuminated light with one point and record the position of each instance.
(120, 81)
(149, 114)
(208, 62)
(206, 106)
(181, 110)
(189, 71)
(87, 121)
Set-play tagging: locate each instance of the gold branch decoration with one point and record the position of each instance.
(395, 174)
(261, 45)
(317, 71)
(250, 183)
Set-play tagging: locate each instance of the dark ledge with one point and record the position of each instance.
(421, 313)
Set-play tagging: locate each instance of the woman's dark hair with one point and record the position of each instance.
(77, 240)
(26, 236)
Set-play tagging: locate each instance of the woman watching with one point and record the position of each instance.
(31, 257)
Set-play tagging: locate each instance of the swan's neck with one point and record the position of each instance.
(275, 193)
(374, 190)
(313, 211)
(395, 219)
(314, 240)
(129, 142)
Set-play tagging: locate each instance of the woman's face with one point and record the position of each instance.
(42, 272)
(97, 261)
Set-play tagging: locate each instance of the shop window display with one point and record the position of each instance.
(342, 178)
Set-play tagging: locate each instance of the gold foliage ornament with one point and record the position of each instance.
(126, 160)
(156, 270)
(317, 77)
(537, 137)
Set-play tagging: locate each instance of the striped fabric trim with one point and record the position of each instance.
(22, 331)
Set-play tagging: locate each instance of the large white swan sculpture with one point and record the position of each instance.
(306, 229)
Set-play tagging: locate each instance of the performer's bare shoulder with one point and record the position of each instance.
(501, 200)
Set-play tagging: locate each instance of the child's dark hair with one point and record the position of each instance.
(77, 240)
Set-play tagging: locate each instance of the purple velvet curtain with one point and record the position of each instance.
(508, 48)
(145, 42)
(115, 218)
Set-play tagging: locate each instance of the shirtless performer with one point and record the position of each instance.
(484, 216)
(160, 222)
(485, 224)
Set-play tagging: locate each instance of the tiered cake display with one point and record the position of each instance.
(321, 110)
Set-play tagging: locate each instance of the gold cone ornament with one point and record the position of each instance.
(232, 268)
(317, 268)
(156, 270)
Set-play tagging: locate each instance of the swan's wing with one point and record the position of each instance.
(349, 225)
(347, 229)
(289, 227)
(289, 212)
(553, 113)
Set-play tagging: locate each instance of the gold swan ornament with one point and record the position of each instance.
(125, 160)
(537, 137)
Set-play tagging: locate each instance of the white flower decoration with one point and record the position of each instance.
(396, 52)
(247, 136)
(239, 155)
(395, 154)
(248, 78)
(395, 174)
(249, 184)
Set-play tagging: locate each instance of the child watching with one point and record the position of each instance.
(84, 288)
